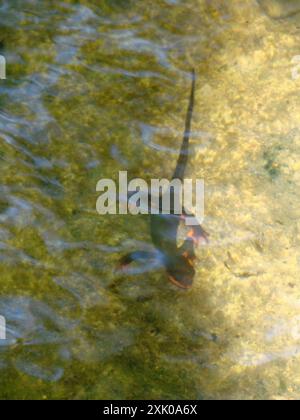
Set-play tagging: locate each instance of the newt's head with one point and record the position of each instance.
(180, 268)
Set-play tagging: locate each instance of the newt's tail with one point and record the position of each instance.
(184, 152)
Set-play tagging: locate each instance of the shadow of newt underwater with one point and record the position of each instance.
(179, 261)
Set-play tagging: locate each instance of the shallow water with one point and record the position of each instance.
(97, 87)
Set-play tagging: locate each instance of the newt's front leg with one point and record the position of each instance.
(196, 232)
(147, 261)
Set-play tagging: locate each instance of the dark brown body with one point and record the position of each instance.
(178, 261)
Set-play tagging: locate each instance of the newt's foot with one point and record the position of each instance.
(198, 236)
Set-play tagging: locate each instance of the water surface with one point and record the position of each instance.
(95, 87)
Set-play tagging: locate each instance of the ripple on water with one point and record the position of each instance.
(150, 132)
(37, 341)
(86, 290)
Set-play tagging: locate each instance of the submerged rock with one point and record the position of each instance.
(280, 8)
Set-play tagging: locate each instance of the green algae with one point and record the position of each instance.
(83, 79)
